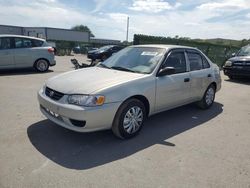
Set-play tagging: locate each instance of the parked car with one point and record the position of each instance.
(103, 52)
(22, 52)
(239, 64)
(83, 49)
(135, 83)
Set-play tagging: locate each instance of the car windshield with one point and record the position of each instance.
(244, 51)
(135, 59)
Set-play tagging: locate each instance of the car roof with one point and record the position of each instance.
(22, 36)
(166, 46)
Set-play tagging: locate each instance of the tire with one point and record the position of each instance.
(41, 65)
(208, 98)
(125, 125)
(230, 77)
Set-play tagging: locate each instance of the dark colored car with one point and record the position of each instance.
(239, 64)
(103, 52)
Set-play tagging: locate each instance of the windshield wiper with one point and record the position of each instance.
(122, 69)
(105, 66)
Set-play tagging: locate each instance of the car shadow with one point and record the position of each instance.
(239, 80)
(24, 71)
(87, 150)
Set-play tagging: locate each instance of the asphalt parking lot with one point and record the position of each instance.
(184, 147)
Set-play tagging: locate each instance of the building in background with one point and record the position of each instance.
(12, 30)
(56, 34)
(49, 34)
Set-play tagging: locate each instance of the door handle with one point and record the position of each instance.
(186, 79)
(209, 75)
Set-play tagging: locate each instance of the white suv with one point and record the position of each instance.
(22, 52)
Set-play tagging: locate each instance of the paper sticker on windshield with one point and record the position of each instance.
(149, 53)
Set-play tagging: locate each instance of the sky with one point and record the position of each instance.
(108, 18)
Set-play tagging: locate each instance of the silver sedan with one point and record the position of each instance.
(133, 84)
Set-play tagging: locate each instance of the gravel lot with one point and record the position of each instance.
(184, 147)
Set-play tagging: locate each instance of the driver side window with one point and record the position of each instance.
(176, 60)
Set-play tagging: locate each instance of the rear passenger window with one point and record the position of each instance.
(23, 43)
(4, 43)
(195, 60)
(18, 43)
(37, 43)
(27, 43)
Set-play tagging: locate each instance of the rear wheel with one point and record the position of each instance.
(129, 119)
(208, 98)
(41, 65)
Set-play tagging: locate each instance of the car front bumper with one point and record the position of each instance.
(237, 71)
(77, 118)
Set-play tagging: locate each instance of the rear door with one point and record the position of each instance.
(23, 53)
(6, 53)
(200, 71)
(173, 90)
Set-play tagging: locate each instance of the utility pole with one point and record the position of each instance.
(127, 29)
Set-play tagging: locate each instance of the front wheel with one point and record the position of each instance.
(41, 65)
(208, 98)
(129, 119)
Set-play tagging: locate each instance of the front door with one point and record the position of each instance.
(173, 90)
(6, 53)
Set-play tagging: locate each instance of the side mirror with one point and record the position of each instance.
(233, 54)
(166, 71)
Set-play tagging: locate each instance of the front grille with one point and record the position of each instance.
(242, 63)
(55, 95)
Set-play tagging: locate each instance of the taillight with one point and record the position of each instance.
(51, 50)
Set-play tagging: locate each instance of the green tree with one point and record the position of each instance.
(83, 28)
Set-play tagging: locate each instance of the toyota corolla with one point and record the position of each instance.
(133, 84)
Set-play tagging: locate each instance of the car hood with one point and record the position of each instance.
(89, 80)
(240, 58)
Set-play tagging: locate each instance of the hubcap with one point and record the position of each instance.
(42, 65)
(133, 120)
(210, 96)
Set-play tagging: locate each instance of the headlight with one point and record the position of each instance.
(43, 88)
(86, 100)
(228, 63)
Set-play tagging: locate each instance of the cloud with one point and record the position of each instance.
(191, 24)
(225, 11)
(38, 13)
(197, 22)
(118, 17)
(153, 6)
(225, 5)
(99, 5)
